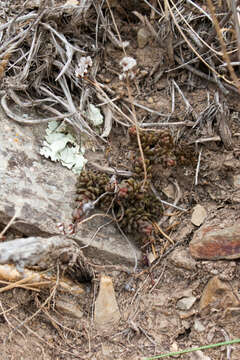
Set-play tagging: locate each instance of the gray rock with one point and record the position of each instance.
(164, 325)
(69, 308)
(42, 193)
(182, 259)
(199, 215)
(186, 303)
(34, 251)
(142, 38)
(198, 326)
(236, 181)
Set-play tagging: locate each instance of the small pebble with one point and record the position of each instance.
(199, 215)
(150, 100)
(186, 303)
(142, 37)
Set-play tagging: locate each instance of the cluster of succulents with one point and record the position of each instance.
(134, 206)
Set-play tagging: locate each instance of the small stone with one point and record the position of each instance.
(231, 162)
(71, 2)
(142, 37)
(198, 326)
(163, 325)
(150, 100)
(106, 308)
(214, 242)
(186, 303)
(33, 4)
(151, 257)
(236, 181)
(199, 215)
(199, 355)
(174, 347)
(169, 191)
(217, 292)
(69, 309)
(186, 314)
(181, 258)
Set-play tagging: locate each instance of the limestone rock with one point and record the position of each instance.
(106, 313)
(214, 242)
(199, 215)
(42, 192)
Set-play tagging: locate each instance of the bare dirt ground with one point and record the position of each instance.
(152, 320)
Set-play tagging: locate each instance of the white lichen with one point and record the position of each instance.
(59, 145)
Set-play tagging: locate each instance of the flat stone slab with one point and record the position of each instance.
(214, 242)
(42, 193)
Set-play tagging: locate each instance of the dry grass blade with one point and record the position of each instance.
(16, 284)
(52, 294)
(223, 45)
(26, 287)
(29, 121)
(184, 36)
(236, 24)
(32, 72)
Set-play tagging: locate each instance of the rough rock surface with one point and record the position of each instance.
(216, 242)
(106, 308)
(181, 258)
(34, 250)
(199, 215)
(186, 303)
(69, 308)
(218, 293)
(42, 192)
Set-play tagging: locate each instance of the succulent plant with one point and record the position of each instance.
(136, 208)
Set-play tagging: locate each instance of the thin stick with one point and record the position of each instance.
(163, 233)
(8, 225)
(31, 15)
(138, 134)
(161, 124)
(15, 284)
(62, 37)
(26, 287)
(198, 167)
